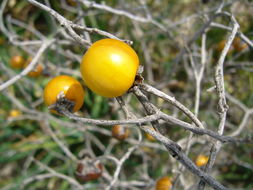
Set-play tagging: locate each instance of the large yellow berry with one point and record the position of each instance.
(109, 67)
(67, 86)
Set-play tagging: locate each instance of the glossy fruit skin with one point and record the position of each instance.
(201, 160)
(35, 72)
(17, 62)
(67, 85)
(163, 183)
(119, 132)
(109, 67)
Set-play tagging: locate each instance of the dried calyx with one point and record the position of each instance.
(88, 169)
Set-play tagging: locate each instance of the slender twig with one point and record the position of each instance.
(119, 165)
(173, 101)
(198, 75)
(59, 175)
(222, 105)
(30, 67)
(239, 33)
(92, 4)
(70, 26)
(58, 141)
(173, 148)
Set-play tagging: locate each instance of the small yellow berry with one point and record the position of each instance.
(201, 160)
(15, 113)
(163, 183)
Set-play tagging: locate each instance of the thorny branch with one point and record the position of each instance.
(220, 89)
